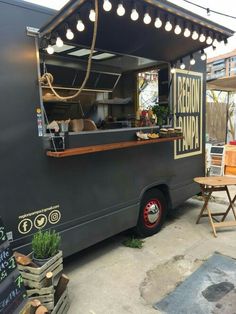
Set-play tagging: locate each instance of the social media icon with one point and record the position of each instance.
(54, 217)
(40, 221)
(25, 226)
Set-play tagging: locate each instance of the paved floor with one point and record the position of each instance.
(110, 278)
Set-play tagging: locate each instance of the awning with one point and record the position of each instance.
(121, 35)
(227, 84)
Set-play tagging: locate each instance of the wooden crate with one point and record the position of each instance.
(44, 295)
(62, 305)
(36, 277)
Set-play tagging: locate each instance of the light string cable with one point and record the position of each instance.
(208, 10)
(49, 78)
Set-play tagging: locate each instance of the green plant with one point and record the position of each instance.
(45, 244)
(134, 243)
(161, 112)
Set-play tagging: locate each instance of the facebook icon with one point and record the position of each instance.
(25, 226)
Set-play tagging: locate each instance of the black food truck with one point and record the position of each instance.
(102, 110)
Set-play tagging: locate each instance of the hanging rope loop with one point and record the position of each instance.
(47, 78)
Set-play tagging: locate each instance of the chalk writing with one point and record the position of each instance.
(7, 263)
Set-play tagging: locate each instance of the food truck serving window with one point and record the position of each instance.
(108, 100)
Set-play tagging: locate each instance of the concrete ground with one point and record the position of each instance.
(110, 278)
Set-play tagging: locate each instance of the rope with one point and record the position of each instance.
(48, 77)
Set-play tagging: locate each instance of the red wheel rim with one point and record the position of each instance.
(152, 213)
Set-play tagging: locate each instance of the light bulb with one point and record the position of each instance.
(209, 40)
(134, 15)
(120, 10)
(177, 29)
(182, 65)
(187, 32)
(107, 6)
(92, 15)
(59, 42)
(147, 18)
(168, 26)
(195, 35)
(172, 70)
(69, 34)
(202, 38)
(192, 61)
(203, 56)
(158, 22)
(215, 43)
(50, 50)
(80, 26)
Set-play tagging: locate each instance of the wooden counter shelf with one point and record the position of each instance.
(111, 146)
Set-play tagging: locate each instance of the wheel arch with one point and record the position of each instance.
(164, 188)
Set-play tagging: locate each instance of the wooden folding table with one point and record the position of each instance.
(208, 186)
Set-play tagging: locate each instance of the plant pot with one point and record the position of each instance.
(40, 261)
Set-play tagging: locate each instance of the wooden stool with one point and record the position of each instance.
(209, 185)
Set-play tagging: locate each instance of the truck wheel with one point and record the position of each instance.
(152, 213)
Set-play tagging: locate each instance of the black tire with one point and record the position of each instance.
(153, 200)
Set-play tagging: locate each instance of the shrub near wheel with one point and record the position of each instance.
(152, 213)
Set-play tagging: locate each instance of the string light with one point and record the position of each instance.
(107, 6)
(50, 50)
(182, 65)
(195, 35)
(120, 10)
(158, 22)
(192, 60)
(69, 34)
(59, 42)
(178, 29)
(202, 37)
(203, 55)
(209, 39)
(80, 26)
(187, 32)
(168, 26)
(92, 15)
(147, 18)
(215, 42)
(134, 15)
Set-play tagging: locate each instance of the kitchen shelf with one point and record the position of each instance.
(106, 147)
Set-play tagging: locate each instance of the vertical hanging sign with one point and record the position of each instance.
(188, 111)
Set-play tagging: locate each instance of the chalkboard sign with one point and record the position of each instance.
(12, 290)
(217, 150)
